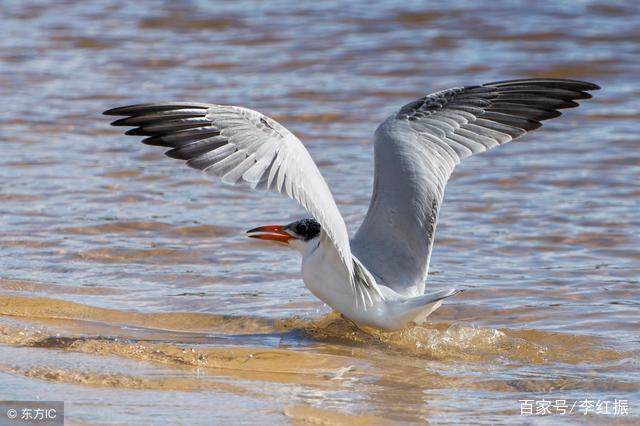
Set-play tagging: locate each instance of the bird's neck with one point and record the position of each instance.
(307, 248)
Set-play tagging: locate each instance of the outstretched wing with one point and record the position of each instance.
(241, 146)
(416, 150)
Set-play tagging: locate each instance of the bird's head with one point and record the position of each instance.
(297, 234)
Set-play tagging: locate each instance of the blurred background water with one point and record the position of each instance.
(128, 289)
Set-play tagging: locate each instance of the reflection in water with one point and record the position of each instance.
(126, 279)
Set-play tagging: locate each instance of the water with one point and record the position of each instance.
(128, 289)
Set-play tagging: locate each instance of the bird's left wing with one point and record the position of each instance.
(241, 146)
(417, 148)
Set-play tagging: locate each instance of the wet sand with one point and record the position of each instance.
(128, 289)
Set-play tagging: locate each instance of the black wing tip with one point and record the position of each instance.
(568, 103)
(534, 124)
(155, 141)
(124, 110)
(145, 108)
(121, 121)
(136, 131)
(578, 84)
(593, 86)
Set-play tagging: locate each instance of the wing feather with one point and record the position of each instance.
(416, 150)
(240, 145)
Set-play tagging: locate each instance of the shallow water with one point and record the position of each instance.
(128, 289)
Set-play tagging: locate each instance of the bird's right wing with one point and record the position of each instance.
(241, 146)
(416, 150)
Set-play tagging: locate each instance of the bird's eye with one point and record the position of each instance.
(301, 228)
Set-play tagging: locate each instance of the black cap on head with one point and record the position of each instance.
(307, 229)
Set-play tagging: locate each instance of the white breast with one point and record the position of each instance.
(326, 277)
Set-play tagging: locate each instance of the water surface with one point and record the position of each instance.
(128, 289)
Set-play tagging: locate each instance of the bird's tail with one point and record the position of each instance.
(417, 309)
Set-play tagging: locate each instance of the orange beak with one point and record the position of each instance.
(270, 232)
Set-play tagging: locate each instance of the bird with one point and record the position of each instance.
(376, 278)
